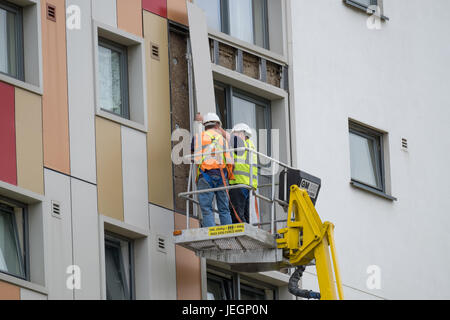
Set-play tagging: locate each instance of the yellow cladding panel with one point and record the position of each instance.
(159, 125)
(30, 162)
(109, 169)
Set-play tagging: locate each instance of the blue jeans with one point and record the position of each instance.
(206, 202)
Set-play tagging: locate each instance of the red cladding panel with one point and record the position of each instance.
(8, 164)
(158, 7)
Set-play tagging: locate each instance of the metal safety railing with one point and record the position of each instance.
(276, 167)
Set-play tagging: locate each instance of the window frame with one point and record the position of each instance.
(378, 137)
(24, 258)
(365, 8)
(113, 240)
(224, 14)
(360, 5)
(18, 12)
(124, 85)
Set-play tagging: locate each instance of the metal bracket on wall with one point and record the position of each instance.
(263, 70)
(285, 78)
(240, 61)
(216, 51)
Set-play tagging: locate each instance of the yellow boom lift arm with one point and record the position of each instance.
(306, 239)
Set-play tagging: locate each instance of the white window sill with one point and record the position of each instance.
(20, 194)
(23, 284)
(381, 194)
(21, 84)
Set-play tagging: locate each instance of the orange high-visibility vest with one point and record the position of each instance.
(210, 155)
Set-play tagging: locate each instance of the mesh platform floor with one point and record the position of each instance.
(248, 238)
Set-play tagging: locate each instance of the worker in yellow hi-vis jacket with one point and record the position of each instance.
(240, 138)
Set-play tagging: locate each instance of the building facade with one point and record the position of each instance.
(92, 93)
(372, 120)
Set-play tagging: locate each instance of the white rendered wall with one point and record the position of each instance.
(162, 264)
(105, 11)
(394, 79)
(80, 80)
(134, 172)
(86, 251)
(59, 236)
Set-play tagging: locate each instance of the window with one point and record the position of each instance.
(219, 288)
(362, 4)
(244, 19)
(120, 81)
(366, 156)
(222, 285)
(113, 77)
(119, 265)
(13, 239)
(11, 43)
(366, 6)
(249, 292)
(234, 106)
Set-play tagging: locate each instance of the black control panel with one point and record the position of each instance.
(303, 180)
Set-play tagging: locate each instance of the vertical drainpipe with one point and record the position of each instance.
(191, 116)
(291, 102)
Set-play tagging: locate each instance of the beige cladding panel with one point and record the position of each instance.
(158, 91)
(129, 16)
(109, 169)
(30, 163)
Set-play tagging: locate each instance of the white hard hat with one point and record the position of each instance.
(210, 119)
(242, 127)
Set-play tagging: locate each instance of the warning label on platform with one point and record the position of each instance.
(233, 228)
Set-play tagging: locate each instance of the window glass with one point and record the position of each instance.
(364, 2)
(249, 293)
(118, 269)
(244, 111)
(221, 105)
(259, 23)
(363, 157)
(254, 115)
(113, 80)
(11, 241)
(262, 128)
(241, 19)
(8, 43)
(212, 11)
(215, 290)
(219, 288)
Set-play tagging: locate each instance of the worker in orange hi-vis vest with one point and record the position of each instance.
(215, 167)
